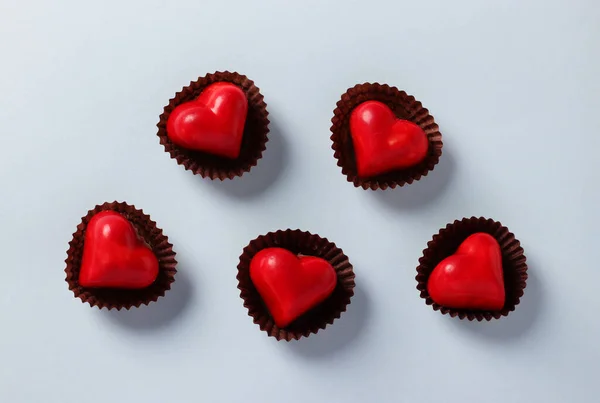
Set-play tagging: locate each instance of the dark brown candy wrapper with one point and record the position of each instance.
(255, 131)
(404, 107)
(301, 243)
(115, 298)
(448, 240)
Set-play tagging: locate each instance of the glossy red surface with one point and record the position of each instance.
(471, 278)
(384, 143)
(291, 285)
(114, 256)
(213, 123)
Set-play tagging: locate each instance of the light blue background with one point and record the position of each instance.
(514, 87)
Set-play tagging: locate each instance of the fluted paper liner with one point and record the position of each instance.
(446, 242)
(118, 298)
(404, 107)
(301, 243)
(255, 130)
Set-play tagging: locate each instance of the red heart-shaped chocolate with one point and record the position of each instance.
(384, 143)
(213, 123)
(471, 278)
(114, 256)
(291, 285)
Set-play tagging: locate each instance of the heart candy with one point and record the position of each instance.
(291, 285)
(384, 143)
(114, 256)
(471, 278)
(213, 122)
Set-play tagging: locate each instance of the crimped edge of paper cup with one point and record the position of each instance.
(118, 299)
(405, 107)
(304, 243)
(445, 243)
(254, 140)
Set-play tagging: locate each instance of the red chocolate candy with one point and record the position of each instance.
(384, 143)
(114, 256)
(472, 277)
(291, 285)
(213, 123)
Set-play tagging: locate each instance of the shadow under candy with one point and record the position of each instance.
(424, 191)
(160, 313)
(262, 176)
(339, 335)
(519, 322)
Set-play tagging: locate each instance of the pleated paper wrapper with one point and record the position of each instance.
(405, 107)
(447, 241)
(300, 243)
(254, 138)
(119, 298)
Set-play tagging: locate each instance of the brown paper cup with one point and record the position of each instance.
(116, 298)
(255, 131)
(301, 243)
(404, 107)
(448, 240)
